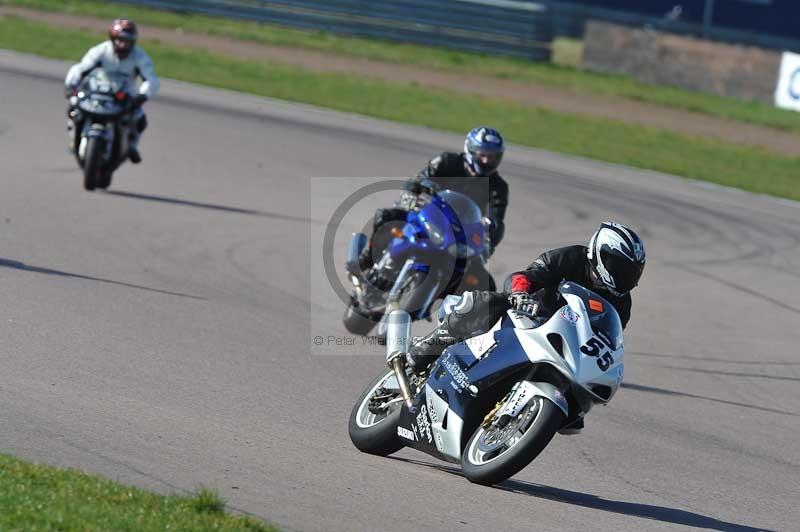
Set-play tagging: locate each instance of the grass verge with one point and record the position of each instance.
(563, 76)
(710, 160)
(38, 497)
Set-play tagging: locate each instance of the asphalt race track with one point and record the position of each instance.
(161, 334)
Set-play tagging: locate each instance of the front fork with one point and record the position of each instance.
(74, 118)
(393, 297)
(400, 287)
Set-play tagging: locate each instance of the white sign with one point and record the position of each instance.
(787, 94)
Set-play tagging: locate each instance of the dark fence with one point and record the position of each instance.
(569, 19)
(520, 28)
(769, 17)
(506, 27)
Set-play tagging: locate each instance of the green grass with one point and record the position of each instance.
(38, 497)
(729, 164)
(565, 76)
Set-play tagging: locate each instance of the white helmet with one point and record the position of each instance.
(617, 256)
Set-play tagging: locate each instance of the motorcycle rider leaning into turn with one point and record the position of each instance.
(472, 172)
(611, 265)
(120, 55)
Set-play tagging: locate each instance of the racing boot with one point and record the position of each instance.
(133, 147)
(133, 155)
(426, 350)
(133, 140)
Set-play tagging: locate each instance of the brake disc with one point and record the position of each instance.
(496, 438)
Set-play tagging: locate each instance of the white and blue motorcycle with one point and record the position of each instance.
(99, 127)
(493, 402)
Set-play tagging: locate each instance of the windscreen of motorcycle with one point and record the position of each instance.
(603, 317)
(470, 217)
(99, 90)
(104, 82)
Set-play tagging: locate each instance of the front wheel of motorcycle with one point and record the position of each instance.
(92, 162)
(104, 179)
(495, 453)
(374, 419)
(355, 322)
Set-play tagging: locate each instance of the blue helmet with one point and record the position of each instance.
(483, 150)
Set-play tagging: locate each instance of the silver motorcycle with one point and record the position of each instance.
(493, 402)
(99, 127)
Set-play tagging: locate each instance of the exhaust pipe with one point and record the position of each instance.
(398, 338)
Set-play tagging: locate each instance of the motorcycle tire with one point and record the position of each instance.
(374, 436)
(357, 323)
(511, 461)
(92, 162)
(104, 180)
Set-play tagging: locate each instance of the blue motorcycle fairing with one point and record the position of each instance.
(433, 237)
(435, 228)
(439, 217)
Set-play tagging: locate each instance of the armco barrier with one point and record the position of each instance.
(570, 18)
(523, 28)
(508, 27)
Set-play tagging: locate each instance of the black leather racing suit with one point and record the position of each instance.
(478, 311)
(449, 172)
(564, 264)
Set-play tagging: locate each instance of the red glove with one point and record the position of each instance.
(520, 283)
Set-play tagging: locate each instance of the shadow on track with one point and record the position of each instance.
(663, 391)
(16, 265)
(730, 373)
(576, 498)
(213, 207)
(712, 359)
(633, 509)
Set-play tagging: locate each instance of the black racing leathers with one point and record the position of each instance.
(479, 310)
(449, 172)
(564, 264)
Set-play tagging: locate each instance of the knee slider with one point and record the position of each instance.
(465, 304)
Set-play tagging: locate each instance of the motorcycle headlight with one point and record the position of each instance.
(460, 250)
(434, 235)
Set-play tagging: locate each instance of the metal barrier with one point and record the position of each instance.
(569, 19)
(520, 28)
(507, 27)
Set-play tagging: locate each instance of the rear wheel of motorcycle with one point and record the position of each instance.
(355, 322)
(491, 457)
(373, 433)
(92, 163)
